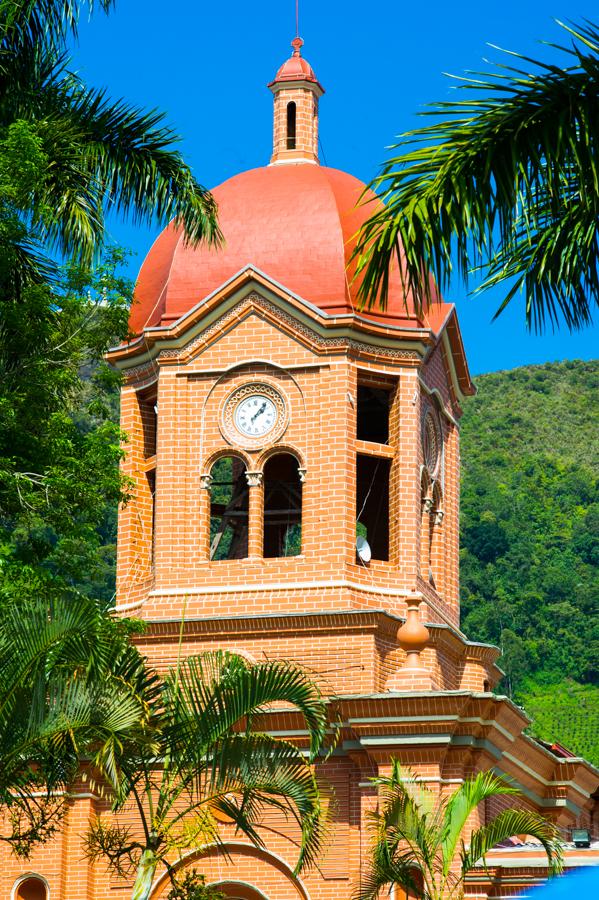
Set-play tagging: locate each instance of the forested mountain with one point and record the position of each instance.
(530, 540)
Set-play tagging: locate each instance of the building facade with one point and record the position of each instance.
(296, 469)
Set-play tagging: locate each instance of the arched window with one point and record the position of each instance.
(291, 115)
(31, 888)
(282, 506)
(229, 509)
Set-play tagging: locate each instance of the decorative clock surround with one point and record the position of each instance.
(431, 443)
(254, 415)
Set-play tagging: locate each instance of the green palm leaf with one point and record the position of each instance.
(263, 773)
(419, 838)
(212, 693)
(462, 804)
(507, 181)
(208, 756)
(505, 825)
(30, 23)
(102, 155)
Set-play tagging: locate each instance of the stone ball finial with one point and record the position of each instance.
(297, 45)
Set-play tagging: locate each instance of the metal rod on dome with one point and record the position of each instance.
(297, 18)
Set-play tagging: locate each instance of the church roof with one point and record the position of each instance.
(297, 223)
(296, 68)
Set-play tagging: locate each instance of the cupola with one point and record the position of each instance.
(296, 93)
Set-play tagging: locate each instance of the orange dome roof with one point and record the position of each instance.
(295, 223)
(296, 68)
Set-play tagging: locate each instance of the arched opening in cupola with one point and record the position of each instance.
(282, 506)
(291, 124)
(229, 509)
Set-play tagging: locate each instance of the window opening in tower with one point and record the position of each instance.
(291, 115)
(372, 503)
(282, 507)
(151, 480)
(229, 510)
(374, 404)
(148, 408)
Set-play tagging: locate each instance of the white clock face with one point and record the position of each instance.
(256, 415)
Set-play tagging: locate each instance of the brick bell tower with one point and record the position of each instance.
(296, 471)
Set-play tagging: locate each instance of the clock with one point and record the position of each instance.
(254, 415)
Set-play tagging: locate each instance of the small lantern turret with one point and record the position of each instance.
(296, 93)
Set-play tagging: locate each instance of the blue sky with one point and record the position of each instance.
(207, 65)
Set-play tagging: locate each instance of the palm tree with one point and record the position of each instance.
(206, 760)
(69, 689)
(94, 154)
(504, 181)
(419, 839)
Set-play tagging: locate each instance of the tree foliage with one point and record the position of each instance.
(421, 842)
(205, 759)
(566, 713)
(192, 886)
(59, 443)
(530, 530)
(68, 154)
(91, 153)
(67, 673)
(503, 182)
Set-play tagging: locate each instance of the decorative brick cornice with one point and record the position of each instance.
(255, 302)
(139, 375)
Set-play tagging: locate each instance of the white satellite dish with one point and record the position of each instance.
(363, 550)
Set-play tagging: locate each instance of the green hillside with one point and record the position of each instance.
(530, 540)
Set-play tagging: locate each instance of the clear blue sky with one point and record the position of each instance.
(207, 65)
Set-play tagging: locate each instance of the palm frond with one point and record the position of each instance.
(416, 835)
(383, 870)
(508, 823)
(488, 186)
(30, 23)
(406, 828)
(210, 694)
(462, 804)
(128, 158)
(263, 773)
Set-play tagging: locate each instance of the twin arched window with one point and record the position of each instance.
(278, 516)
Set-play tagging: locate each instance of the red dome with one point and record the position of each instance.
(296, 68)
(296, 223)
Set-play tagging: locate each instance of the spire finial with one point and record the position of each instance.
(297, 45)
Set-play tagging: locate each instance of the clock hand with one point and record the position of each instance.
(259, 413)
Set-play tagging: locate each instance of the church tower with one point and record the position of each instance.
(295, 470)
(293, 454)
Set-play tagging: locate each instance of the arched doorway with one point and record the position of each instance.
(31, 888)
(238, 890)
(235, 868)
